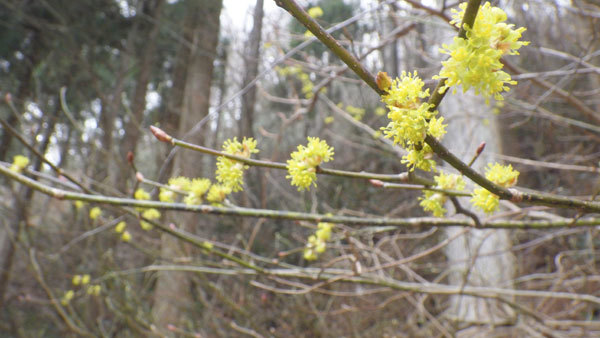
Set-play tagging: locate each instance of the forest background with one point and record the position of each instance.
(82, 82)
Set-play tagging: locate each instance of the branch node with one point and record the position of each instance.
(517, 196)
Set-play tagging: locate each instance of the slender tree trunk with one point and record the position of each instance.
(479, 257)
(251, 61)
(223, 55)
(390, 51)
(172, 293)
(149, 31)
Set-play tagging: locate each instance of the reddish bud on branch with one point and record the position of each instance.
(160, 134)
(139, 176)
(130, 157)
(8, 98)
(376, 183)
(480, 148)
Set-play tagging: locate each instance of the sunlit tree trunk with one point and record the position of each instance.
(479, 257)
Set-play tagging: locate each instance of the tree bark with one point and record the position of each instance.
(172, 293)
(251, 60)
(148, 32)
(479, 257)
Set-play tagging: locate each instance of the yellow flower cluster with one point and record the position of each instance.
(433, 201)
(307, 84)
(504, 176)
(196, 189)
(302, 167)
(317, 243)
(67, 297)
(411, 119)
(120, 229)
(230, 172)
(475, 61)
(95, 212)
(315, 12)
(150, 214)
(356, 112)
(94, 290)
(80, 279)
(19, 163)
(218, 193)
(147, 213)
(193, 190)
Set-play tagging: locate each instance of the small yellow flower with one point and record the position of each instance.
(126, 236)
(146, 226)
(317, 243)
(85, 279)
(67, 297)
(79, 204)
(485, 200)
(198, 188)
(357, 113)
(141, 194)
(324, 231)
(218, 193)
(230, 172)
(95, 212)
(76, 280)
(180, 183)
(302, 166)
(315, 12)
(151, 214)
(120, 227)
(422, 159)
(19, 163)
(379, 111)
(433, 201)
(94, 290)
(504, 176)
(166, 195)
(310, 254)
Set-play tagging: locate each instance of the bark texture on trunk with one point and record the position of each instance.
(251, 59)
(172, 298)
(479, 257)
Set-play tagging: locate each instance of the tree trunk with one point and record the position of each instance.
(252, 57)
(479, 257)
(172, 293)
(148, 26)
